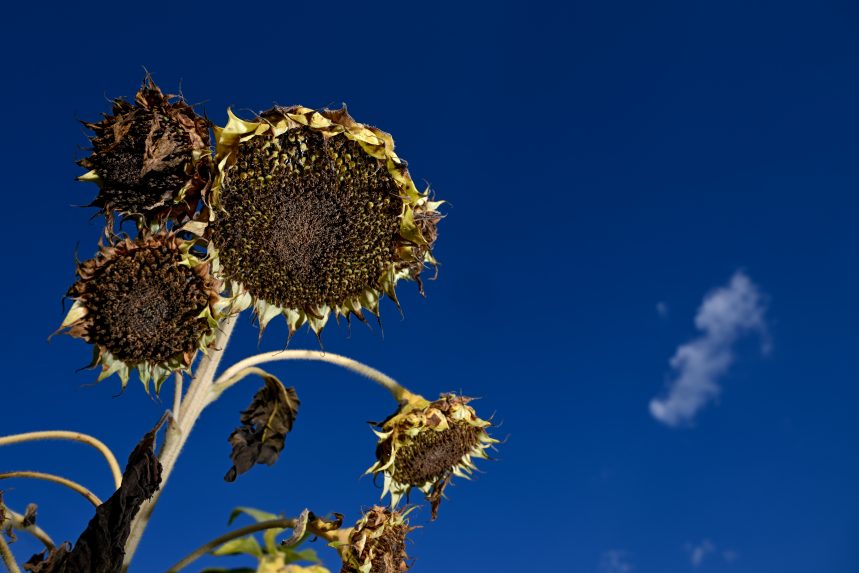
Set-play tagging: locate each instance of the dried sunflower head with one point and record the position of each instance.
(148, 303)
(377, 543)
(425, 443)
(313, 213)
(151, 159)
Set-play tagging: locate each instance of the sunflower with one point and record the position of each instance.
(377, 543)
(151, 159)
(148, 303)
(424, 444)
(313, 214)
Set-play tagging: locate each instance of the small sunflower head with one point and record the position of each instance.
(313, 214)
(377, 543)
(151, 159)
(425, 443)
(148, 303)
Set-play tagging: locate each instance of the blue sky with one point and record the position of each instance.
(609, 165)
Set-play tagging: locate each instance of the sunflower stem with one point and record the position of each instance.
(72, 436)
(229, 536)
(177, 394)
(196, 399)
(16, 521)
(237, 371)
(8, 558)
(74, 486)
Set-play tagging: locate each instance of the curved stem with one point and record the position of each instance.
(236, 372)
(218, 541)
(72, 436)
(16, 521)
(90, 496)
(8, 558)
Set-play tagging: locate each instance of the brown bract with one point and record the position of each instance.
(148, 303)
(151, 159)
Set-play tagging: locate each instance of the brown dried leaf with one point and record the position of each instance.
(101, 547)
(265, 425)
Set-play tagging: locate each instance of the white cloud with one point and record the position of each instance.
(724, 316)
(699, 552)
(662, 309)
(615, 561)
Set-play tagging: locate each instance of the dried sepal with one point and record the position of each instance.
(424, 444)
(314, 214)
(151, 158)
(377, 543)
(148, 304)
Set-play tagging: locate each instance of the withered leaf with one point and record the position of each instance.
(265, 425)
(101, 547)
(49, 560)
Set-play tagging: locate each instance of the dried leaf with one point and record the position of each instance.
(265, 425)
(101, 547)
(49, 563)
(29, 515)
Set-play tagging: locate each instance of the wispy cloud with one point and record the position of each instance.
(615, 561)
(700, 551)
(724, 316)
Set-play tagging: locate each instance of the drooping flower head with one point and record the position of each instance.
(425, 443)
(377, 543)
(148, 303)
(313, 213)
(151, 158)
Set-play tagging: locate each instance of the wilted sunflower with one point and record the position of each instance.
(148, 303)
(377, 543)
(314, 213)
(425, 443)
(151, 159)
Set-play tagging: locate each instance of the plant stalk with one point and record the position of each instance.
(195, 400)
(218, 541)
(74, 486)
(236, 372)
(72, 436)
(16, 521)
(8, 558)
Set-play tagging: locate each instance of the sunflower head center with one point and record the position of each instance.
(145, 306)
(432, 454)
(307, 220)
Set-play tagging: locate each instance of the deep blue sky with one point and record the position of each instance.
(600, 158)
